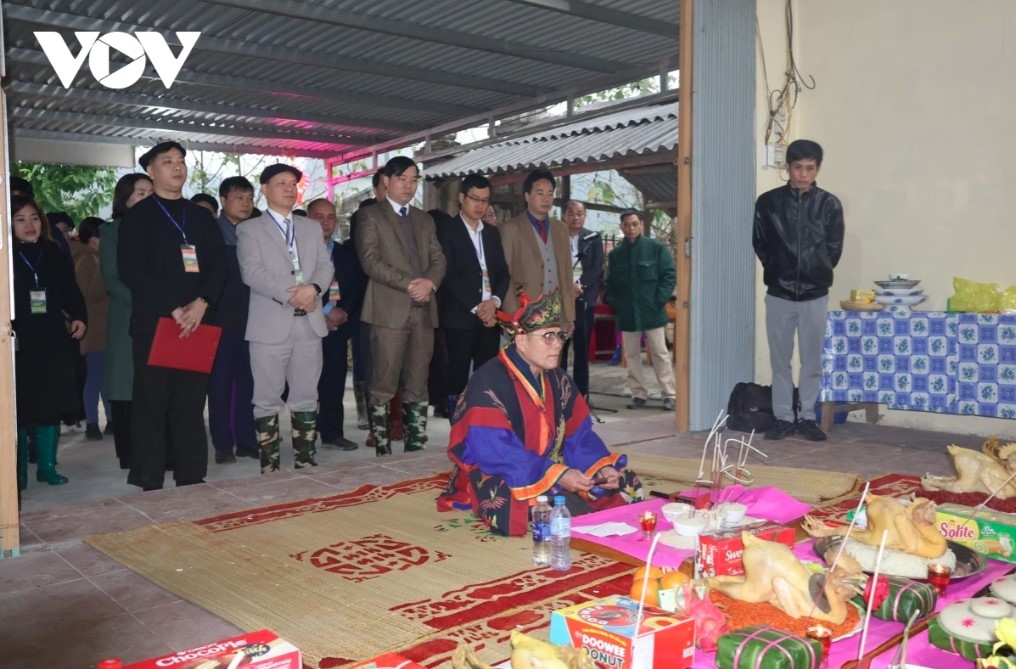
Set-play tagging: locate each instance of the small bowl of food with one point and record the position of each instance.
(690, 526)
(733, 512)
(674, 510)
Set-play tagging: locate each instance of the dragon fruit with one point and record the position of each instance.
(710, 622)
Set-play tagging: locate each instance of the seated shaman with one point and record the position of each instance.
(522, 429)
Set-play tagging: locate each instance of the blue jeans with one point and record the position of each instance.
(95, 373)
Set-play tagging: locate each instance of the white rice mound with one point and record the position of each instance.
(896, 563)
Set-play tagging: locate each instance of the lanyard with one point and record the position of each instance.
(38, 257)
(288, 235)
(477, 241)
(181, 226)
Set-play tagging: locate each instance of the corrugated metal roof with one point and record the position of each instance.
(638, 131)
(324, 77)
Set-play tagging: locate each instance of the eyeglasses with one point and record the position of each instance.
(550, 337)
(478, 200)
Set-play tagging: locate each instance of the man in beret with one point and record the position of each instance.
(172, 258)
(288, 269)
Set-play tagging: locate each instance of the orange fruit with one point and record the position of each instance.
(652, 590)
(654, 572)
(673, 579)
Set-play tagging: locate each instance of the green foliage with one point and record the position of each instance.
(632, 90)
(80, 190)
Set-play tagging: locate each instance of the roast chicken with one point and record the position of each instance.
(911, 527)
(528, 653)
(773, 574)
(984, 472)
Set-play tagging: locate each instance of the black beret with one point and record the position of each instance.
(279, 168)
(157, 149)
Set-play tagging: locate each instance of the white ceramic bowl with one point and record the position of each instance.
(899, 292)
(675, 510)
(689, 527)
(901, 300)
(733, 512)
(909, 283)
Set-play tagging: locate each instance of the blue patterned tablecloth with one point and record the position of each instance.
(922, 361)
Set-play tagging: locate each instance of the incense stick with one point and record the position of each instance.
(645, 582)
(871, 596)
(839, 551)
(980, 506)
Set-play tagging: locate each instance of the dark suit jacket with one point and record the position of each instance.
(591, 261)
(383, 252)
(462, 288)
(352, 282)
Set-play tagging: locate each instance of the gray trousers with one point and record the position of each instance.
(808, 320)
(400, 359)
(297, 360)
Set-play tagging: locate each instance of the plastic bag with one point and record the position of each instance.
(1007, 302)
(974, 297)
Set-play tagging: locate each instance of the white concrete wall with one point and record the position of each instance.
(915, 106)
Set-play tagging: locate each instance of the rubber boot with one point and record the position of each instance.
(267, 430)
(360, 393)
(396, 431)
(379, 429)
(46, 438)
(304, 436)
(22, 458)
(415, 419)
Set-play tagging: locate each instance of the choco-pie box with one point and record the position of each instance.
(606, 629)
(256, 650)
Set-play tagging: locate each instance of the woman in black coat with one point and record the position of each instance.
(48, 307)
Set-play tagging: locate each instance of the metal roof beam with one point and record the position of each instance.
(268, 134)
(398, 28)
(600, 14)
(174, 104)
(30, 133)
(280, 88)
(284, 55)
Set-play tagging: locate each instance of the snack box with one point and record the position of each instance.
(862, 296)
(720, 552)
(992, 533)
(606, 629)
(386, 661)
(257, 650)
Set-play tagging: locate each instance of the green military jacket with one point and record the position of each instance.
(641, 276)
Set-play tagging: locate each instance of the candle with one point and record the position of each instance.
(648, 522)
(824, 636)
(938, 576)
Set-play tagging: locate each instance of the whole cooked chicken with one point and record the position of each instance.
(773, 574)
(911, 527)
(989, 472)
(528, 653)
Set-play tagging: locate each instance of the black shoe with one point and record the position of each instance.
(180, 484)
(92, 432)
(224, 458)
(109, 427)
(440, 411)
(810, 430)
(637, 403)
(248, 453)
(669, 404)
(339, 443)
(781, 430)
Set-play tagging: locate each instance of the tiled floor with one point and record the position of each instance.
(65, 605)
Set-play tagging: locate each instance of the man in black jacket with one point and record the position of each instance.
(587, 269)
(341, 304)
(231, 385)
(475, 283)
(798, 237)
(171, 256)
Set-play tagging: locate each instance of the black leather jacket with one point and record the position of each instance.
(799, 239)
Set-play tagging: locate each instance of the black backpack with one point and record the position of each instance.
(750, 407)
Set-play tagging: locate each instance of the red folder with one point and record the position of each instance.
(195, 353)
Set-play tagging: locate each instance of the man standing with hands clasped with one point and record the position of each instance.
(798, 238)
(287, 268)
(171, 256)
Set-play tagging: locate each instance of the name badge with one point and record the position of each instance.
(189, 253)
(486, 283)
(37, 301)
(297, 272)
(333, 292)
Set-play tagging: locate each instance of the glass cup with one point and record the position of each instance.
(648, 522)
(824, 636)
(939, 576)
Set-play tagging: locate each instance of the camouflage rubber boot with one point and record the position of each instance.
(267, 431)
(415, 420)
(304, 436)
(379, 428)
(360, 393)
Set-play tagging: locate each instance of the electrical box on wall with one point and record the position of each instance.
(774, 155)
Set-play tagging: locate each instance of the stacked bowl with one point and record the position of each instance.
(899, 292)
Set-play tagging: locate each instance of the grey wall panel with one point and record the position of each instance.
(723, 195)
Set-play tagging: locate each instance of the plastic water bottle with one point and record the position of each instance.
(560, 535)
(541, 532)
